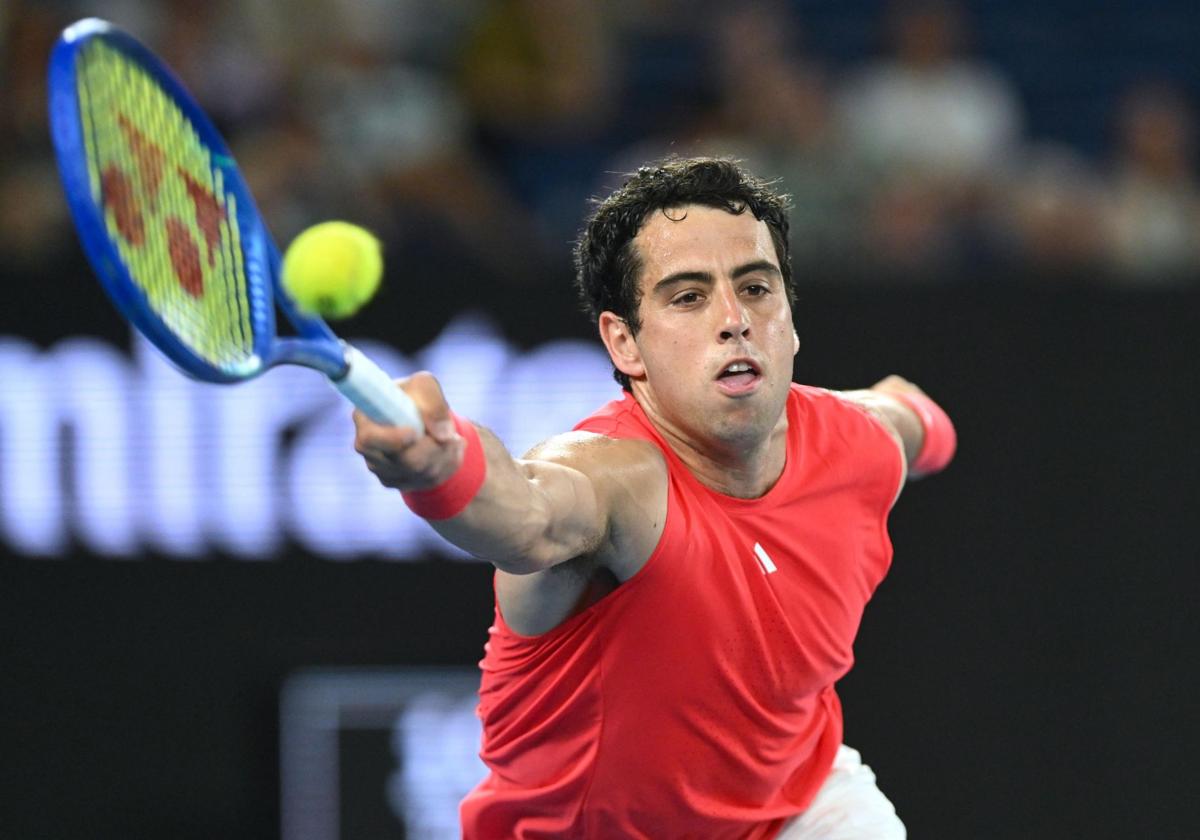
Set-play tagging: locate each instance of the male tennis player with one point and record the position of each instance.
(679, 580)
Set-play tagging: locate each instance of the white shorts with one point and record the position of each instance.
(847, 807)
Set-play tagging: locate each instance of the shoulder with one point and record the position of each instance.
(619, 418)
(851, 407)
(614, 444)
(622, 471)
(596, 453)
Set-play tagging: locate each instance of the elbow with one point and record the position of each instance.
(531, 547)
(554, 523)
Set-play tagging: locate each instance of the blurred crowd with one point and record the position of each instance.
(471, 133)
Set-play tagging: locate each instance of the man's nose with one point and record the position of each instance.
(735, 322)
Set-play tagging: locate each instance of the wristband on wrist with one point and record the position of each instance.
(449, 498)
(941, 440)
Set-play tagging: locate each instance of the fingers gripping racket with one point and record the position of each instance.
(172, 231)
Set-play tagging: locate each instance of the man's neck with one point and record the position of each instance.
(742, 469)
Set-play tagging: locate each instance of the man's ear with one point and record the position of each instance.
(795, 341)
(622, 348)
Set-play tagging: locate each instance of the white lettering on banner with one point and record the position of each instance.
(93, 389)
(168, 462)
(125, 455)
(31, 504)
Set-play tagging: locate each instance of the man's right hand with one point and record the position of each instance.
(400, 458)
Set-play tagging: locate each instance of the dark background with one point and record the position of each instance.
(1022, 673)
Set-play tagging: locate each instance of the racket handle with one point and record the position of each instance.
(374, 392)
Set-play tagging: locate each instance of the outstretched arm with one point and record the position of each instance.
(923, 430)
(522, 515)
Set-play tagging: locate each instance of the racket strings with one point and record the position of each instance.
(166, 208)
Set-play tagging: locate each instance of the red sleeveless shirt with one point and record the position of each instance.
(697, 700)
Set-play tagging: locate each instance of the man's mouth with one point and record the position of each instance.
(739, 377)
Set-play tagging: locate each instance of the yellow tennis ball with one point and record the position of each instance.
(332, 269)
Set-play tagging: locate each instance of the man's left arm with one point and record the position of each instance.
(921, 427)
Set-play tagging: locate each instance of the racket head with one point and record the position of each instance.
(163, 213)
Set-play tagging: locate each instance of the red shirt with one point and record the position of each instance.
(696, 700)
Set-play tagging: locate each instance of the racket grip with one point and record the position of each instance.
(374, 392)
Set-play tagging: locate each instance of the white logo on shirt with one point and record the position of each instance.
(764, 560)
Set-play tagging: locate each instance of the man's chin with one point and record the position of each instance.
(746, 421)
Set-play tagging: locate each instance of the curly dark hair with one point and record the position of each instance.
(606, 263)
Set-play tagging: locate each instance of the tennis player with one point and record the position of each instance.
(680, 579)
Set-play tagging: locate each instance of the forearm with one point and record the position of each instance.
(522, 515)
(527, 515)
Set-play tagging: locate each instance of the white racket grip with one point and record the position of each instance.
(372, 390)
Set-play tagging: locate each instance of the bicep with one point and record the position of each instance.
(530, 513)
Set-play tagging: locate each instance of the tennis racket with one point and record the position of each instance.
(171, 230)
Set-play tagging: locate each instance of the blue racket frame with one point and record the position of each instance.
(316, 347)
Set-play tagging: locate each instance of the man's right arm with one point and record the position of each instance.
(527, 516)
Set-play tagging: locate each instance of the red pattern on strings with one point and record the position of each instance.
(209, 213)
(118, 193)
(185, 257)
(150, 158)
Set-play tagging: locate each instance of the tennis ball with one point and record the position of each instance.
(332, 269)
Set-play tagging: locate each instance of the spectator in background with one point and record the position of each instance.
(241, 60)
(929, 106)
(394, 137)
(1155, 219)
(1054, 217)
(664, 49)
(540, 83)
(33, 215)
(762, 99)
(230, 52)
(937, 128)
(775, 110)
(534, 69)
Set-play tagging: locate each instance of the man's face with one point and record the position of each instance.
(713, 358)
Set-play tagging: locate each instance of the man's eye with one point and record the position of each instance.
(756, 289)
(687, 298)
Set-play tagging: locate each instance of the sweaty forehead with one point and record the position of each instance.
(699, 238)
